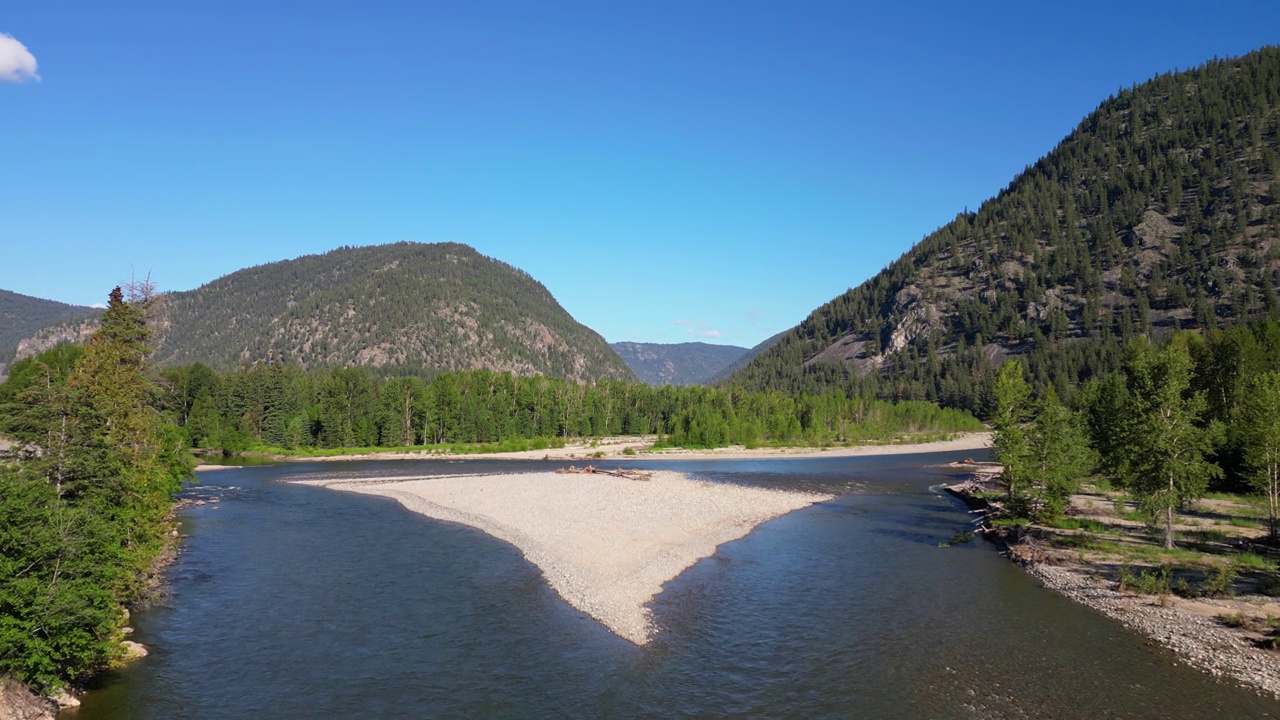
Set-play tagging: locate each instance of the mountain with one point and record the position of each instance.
(692, 363)
(401, 308)
(1160, 211)
(22, 315)
(746, 358)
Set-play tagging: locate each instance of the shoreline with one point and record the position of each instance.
(606, 545)
(614, 449)
(1185, 627)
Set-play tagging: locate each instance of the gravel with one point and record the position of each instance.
(1198, 640)
(606, 545)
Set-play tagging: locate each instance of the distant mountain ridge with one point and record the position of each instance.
(22, 315)
(405, 308)
(692, 363)
(1161, 211)
(746, 358)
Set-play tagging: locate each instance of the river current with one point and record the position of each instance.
(291, 601)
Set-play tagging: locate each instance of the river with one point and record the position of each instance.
(291, 601)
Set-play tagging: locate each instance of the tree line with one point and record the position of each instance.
(1176, 419)
(284, 406)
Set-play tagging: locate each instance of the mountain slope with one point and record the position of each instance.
(1160, 211)
(402, 308)
(746, 358)
(691, 363)
(22, 315)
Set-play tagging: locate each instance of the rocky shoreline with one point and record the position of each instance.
(1198, 640)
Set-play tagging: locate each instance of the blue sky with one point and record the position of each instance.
(670, 171)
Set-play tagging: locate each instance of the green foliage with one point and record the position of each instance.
(1078, 524)
(1162, 460)
(1146, 582)
(1219, 581)
(83, 511)
(58, 565)
(1059, 455)
(1011, 443)
(1259, 432)
(1041, 446)
(1232, 620)
(286, 407)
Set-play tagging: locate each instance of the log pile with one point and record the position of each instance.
(617, 472)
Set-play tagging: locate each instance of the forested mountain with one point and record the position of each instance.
(405, 308)
(746, 357)
(691, 363)
(22, 315)
(1161, 211)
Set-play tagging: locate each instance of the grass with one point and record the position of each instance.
(1253, 561)
(1079, 524)
(1207, 535)
(1232, 620)
(1011, 522)
(1243, 523)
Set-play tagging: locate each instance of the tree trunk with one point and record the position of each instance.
(1168, 528)
(1273, 498)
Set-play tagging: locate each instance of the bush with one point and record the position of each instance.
(1079, 524)
(1219, 582)
(1232, 620)
(1147, 582)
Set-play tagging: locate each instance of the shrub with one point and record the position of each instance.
(1219, 582)
(1232, 620)
(1147, 582)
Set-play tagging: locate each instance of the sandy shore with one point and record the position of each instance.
(615, 449)
(606, 545)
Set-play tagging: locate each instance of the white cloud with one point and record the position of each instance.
(709, 334)
(17, 64)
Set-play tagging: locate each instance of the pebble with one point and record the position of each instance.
(1197, 640)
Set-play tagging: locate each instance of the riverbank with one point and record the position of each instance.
(605, 544)
(1196, 604)
(641, 448)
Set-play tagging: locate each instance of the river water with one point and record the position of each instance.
(290, 601)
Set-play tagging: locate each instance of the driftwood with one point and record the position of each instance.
(593, 470)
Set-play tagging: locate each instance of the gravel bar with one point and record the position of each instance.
(606, 545)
